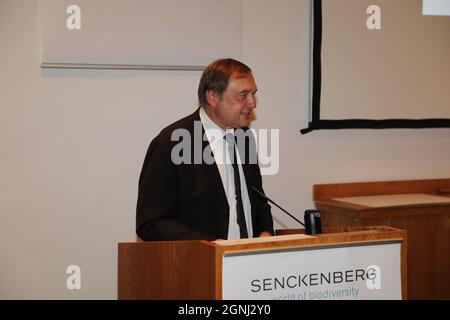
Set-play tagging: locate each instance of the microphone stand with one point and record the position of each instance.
(273, 202)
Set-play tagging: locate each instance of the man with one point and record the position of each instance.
(201, 189)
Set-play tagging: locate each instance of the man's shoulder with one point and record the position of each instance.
(186, 123)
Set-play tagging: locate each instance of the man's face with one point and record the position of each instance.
(235, 109)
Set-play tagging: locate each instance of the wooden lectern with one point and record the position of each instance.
(188, 270)
(421, 207)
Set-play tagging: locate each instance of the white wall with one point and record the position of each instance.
(72, 145)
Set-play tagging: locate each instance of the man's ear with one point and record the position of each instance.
(211, 98)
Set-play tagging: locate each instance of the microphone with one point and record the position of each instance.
(273, 202)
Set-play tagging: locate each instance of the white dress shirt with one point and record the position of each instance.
(220, 149)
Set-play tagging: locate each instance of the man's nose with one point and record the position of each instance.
(251, 101)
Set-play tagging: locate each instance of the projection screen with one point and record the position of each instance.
(379, 64)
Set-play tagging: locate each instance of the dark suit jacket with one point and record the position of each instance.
(188, 201)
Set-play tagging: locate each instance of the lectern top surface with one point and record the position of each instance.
(262, 240)
(392, 200)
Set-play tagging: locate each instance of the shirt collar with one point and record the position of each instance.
(214, 133)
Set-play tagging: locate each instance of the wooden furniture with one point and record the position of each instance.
(193, 269)
(427, 225)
